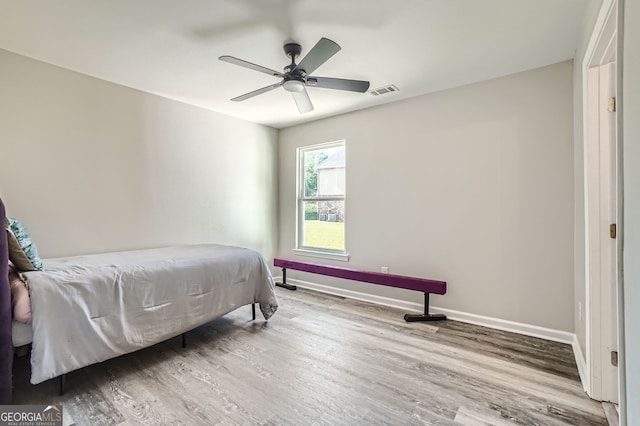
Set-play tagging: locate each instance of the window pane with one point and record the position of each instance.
(324, 172)
(324, 224)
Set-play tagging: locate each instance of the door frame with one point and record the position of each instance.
(599, 314)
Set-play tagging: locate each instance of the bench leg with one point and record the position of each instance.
(184, 340)
(284, 281)
(253, 311)
(62, 383)
(426, 316)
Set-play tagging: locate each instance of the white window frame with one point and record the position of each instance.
(301, 249)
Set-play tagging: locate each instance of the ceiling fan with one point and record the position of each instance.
(296, 77)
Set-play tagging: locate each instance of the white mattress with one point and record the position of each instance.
(87, 309)
(21, 333)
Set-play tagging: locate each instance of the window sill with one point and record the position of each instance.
(321, 254)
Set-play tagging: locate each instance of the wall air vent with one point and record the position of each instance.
(383, 90)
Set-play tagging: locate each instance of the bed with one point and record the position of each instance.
(87, 309)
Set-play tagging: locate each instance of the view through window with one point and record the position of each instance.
(321, 198)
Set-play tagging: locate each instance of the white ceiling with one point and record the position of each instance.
(171, 47)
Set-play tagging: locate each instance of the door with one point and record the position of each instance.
(601, 199)
(608, 225)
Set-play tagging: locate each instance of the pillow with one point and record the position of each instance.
(19, 298)
(22, 250)
(16, 255)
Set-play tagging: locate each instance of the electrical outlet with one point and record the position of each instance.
(579, 311)
(384, 269)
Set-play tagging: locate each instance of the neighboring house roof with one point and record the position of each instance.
(334, 161)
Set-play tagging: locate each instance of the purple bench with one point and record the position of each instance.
(400, 281)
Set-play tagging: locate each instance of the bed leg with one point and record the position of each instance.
(426, 316)
(62, 384)
(284, 281)
(253, 311)
(184, 340)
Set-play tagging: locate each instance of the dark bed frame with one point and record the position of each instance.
(62, 379)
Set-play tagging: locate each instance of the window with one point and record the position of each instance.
(321, 198)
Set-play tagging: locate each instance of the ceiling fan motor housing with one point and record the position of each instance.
(294, 78)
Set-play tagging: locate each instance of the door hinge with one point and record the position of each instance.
(614, 358)
(612, 230)
(612, 104)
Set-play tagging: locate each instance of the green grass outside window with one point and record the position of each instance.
(326, 235)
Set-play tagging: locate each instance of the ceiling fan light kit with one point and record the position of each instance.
(293, 86)
(296, 76)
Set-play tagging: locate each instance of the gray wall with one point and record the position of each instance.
(92, 166)
(472, 185)
(631, 209)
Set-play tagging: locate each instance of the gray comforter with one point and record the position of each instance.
(87, 309)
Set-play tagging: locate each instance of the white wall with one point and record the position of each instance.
(472, 185)
(92, 166)
(631, 210)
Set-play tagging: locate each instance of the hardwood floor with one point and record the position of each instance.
(325, 360)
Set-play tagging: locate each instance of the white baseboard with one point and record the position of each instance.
(581, 362)
(496, 323)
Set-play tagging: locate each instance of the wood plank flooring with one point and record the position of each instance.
(325, 360)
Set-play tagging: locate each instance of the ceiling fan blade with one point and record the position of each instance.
(256, 92)
(338, 84)
(318, 55)
(251, 66)
(303, 102)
